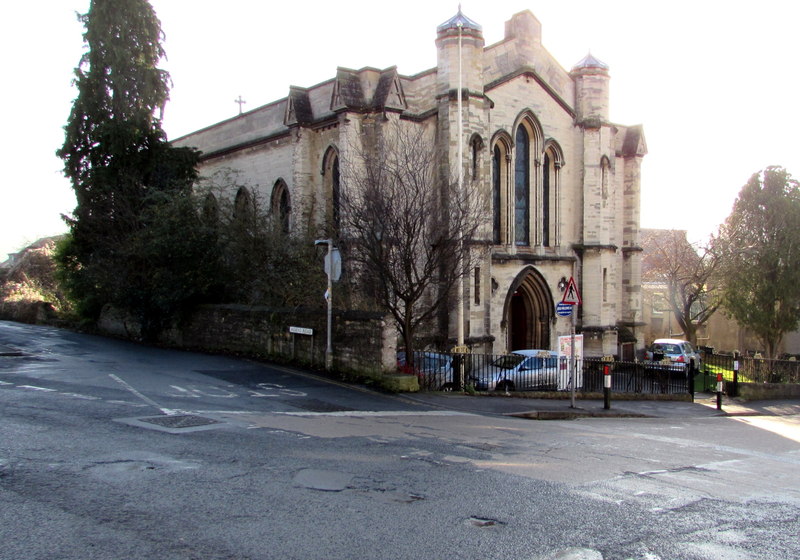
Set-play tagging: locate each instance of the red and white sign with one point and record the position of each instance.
(571, 295)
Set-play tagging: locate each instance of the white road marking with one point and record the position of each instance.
(79, 396)
(197, 393)
(129, 403)
(151, 402)
(35, 388)
(280, 390)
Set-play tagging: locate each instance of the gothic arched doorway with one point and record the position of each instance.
(528, 312)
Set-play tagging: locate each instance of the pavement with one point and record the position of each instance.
(704, 406)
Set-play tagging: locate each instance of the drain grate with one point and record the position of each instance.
(316, 405)
(178, 422)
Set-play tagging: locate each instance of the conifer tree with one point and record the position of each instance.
(760, 247)
(124, 172)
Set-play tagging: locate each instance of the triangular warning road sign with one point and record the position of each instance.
(571, 294)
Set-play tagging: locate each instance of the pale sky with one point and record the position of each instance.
(715, 86)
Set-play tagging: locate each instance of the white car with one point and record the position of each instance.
(520, 370)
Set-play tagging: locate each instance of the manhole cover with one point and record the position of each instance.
(316, 405)
(182, 421)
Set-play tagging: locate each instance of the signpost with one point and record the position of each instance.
(333, 269)
(572, 297)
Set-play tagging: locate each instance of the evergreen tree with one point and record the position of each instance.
(760, 247)
(121, 166)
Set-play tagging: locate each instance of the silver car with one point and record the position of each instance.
(679, 352)
(520, 370)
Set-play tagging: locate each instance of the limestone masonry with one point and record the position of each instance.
(562, 183)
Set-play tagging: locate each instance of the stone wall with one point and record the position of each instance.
(364, 343)
(767, 391)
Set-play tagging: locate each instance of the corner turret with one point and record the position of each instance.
(447, 45)
(591, 90)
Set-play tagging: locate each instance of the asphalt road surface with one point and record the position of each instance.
(112, 450)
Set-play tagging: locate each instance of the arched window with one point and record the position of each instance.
(242, 205)
(330, 172)
(280, 205)
(476, 145)
(497, 156)
(500, 186)
(553, 161)
(210, 211)
(605, 168)
(522, 187)
(546, 201)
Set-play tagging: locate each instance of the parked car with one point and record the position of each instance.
(678, 351)
(435, 371)
(519, 370)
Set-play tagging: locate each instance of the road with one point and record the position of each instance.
(110, 450)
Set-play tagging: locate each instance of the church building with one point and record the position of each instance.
(561, 181)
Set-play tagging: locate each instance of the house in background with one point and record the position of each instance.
(721, 333)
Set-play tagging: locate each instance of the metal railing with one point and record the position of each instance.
(513, 372)
(752, 370)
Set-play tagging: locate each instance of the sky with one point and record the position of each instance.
(715, 86)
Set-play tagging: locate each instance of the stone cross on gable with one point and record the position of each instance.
(241, 102)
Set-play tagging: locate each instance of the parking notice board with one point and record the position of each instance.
(564, 356)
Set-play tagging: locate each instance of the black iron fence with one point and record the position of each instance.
(747, 369)
(544, 371)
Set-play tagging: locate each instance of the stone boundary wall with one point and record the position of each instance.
(767, 391)
(32, 312)
(364, 343)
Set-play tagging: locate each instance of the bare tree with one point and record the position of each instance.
(405, 226)
(687, 271)
(260, 262)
